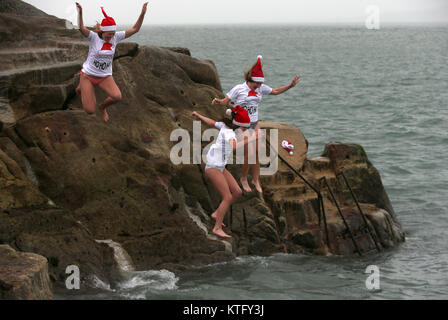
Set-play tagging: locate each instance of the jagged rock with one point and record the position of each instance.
(17, 189)
(364, 177)
(55, 234)
(23, 276)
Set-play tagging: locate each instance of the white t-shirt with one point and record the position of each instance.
(101, 54)
(242, 95)
(219, 153)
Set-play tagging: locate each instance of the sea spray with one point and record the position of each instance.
(122, 258)
(201, 225)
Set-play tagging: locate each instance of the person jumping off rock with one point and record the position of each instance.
(217, 158)
(249, 95)
(97, 69)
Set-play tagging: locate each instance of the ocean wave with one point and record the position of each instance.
(150, 279)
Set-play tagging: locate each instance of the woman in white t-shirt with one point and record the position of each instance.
(97, 69)
(249, 95)
(217, 158)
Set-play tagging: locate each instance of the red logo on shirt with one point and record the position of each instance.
(107, 46)
(252, 93)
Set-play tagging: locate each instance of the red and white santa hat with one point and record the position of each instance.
(108, 23)
(240, 116)
(288, 146)
(257, 71)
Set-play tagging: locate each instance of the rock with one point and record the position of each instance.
(23, 276)
(185, 51)
(295, 204)
(362, 175)
(55, 234)
(20, 8)
(17, 188)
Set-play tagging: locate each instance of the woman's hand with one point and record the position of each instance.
(216, 101)
(84, 31)
(138, 24)
(194, 114)
(294, 81)
(144, 8)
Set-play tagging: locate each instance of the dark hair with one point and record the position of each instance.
(229, 123)
(248, 72)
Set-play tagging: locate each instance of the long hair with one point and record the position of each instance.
(228, 122)
(98, 30)
(248, 72)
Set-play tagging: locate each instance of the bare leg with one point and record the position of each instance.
(220, 183)
(256, 177)
(235, 190)
(245, 170)
(109, 86)
(256, 168)
(87, 95)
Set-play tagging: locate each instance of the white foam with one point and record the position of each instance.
(201, 225)
(98, 283)
(122, 258)
(150, 279)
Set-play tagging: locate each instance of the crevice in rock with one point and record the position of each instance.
(29, 145)
(70, 96)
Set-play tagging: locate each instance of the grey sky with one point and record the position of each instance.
(255, 11)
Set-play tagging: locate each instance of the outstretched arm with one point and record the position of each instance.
(208, 121)
(287, 87)
(139, 22)
(222, 102)
(85, 32)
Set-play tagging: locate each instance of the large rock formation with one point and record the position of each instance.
(68, 179)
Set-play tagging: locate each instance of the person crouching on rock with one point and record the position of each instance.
(249, 95)
(217, 158)
(97, 69)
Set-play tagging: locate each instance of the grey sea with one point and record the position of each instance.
(385, 89)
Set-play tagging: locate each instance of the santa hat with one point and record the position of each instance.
(108, 23)
(240, 116)
(288, 146)
(257, 71)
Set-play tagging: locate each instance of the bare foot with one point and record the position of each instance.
(245, 185)
(214, 217)
(103, 113)
(257, 186)
(219, 232)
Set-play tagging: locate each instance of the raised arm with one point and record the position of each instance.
(287, 87)
(222, 102)
(139, 22)
(208, 121)
(84, 31)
